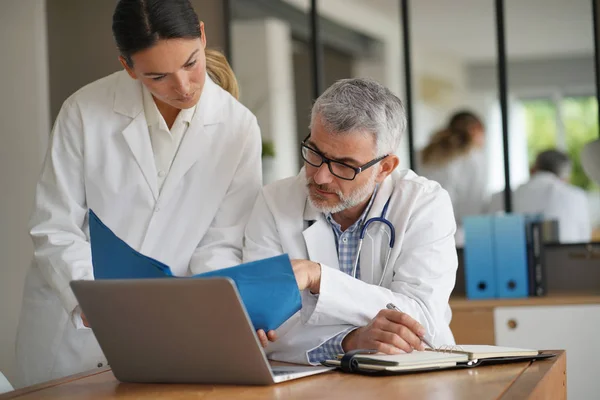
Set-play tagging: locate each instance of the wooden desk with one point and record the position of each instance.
(538, 323)
(473, 320)
(544, 379)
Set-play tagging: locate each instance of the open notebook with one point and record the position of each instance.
(432, 359)
(480, 351)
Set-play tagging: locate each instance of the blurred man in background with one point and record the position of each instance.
(549, 193)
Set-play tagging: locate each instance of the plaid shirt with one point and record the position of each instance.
(346, 243)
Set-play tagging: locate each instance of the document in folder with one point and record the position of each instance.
(267, 287)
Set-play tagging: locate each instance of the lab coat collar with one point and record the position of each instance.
(381, 197)
(545, 175)
(128, 95)
(318, 236)
(129, 102)
(375, 244)
(151, 112)
(311, 213)
(209, 109)
(201, 136)
(197, 142)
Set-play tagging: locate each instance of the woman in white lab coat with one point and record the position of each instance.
(167, 159)
(455, 159)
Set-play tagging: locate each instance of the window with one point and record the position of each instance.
(565, 123)
(580, 116)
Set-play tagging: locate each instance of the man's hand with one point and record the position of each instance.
(84, 320)
(308, 275)
(266, 337)
(390, 332)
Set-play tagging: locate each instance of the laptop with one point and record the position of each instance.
(179, 331)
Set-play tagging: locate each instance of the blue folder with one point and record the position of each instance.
(511, 256)
(267, 287)
(480, 270)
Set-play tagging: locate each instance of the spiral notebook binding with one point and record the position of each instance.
(450, 348)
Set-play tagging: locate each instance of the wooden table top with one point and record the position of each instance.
(539, 379)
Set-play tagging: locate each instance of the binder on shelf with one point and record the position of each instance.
(480, 275)
(510, 251)
(535, 246)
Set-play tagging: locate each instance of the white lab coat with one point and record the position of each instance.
(419, 279)
(100, 157)
(550, 196)
(465, 179)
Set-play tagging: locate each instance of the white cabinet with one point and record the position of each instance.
(574, 328)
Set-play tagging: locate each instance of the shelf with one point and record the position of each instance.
(461, 303)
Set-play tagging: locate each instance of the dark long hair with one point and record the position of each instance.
(139, 24)
(452, 141)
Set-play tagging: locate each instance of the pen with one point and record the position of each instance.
(391, 306)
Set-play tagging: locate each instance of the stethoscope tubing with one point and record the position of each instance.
(392, 241)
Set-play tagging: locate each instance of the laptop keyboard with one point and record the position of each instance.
(277, 372)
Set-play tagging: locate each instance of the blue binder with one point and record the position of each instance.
(267, 287)
(479, 257)
(511, 256)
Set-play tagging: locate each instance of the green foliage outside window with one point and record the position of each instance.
(268, 148)
(580, 118)
(581, 125)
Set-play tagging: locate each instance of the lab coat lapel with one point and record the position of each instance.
(376, 242)
(319, 238)
(199, 138)
(128, 102)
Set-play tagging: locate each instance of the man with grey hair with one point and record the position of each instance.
(548, 193)
(350, 188)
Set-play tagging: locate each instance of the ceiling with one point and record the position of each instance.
(467, 28)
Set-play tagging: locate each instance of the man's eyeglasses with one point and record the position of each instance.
(337, 168)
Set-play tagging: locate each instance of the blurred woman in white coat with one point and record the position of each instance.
(167, 159)
(455, 159)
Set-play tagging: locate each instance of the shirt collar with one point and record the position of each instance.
(154, 117)
(186, 114)
(358, 222)
(544, 175)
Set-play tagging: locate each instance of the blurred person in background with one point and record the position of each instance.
(455, 158)
(548, 192)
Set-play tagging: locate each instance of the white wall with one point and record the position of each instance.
(439, 83)
(569, 74)
(24, 127)
(265, 74)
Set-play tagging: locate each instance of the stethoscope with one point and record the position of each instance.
(363, 231)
